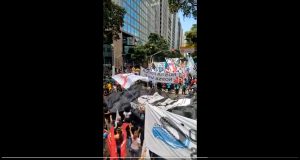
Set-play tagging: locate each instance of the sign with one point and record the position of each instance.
(173, 64)
(157, 77)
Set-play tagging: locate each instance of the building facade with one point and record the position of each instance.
(138, 24)
(142, 18)
(181, 37)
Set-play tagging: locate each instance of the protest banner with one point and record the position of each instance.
(158, 77)
(159, 66)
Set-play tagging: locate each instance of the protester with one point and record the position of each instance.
(163, 86)
(127, 114)
(119, 140)
(183, 88)
(177, 86)
(109, 87)
(169, 87)
(114, 88)
(135, 142)
(150, 84)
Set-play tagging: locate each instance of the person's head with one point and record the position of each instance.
(127, 109)
(119, 123)
(135, 134)
(119, 130)
(118, 135)
(105, 109)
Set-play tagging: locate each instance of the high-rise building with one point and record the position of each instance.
(181, 37)
(178, 33)
(138, 24)
(142, 18)
(163, 19)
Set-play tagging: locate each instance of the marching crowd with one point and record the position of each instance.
(187, 85)
(126, 126)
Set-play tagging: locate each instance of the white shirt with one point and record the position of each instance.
(135, 143)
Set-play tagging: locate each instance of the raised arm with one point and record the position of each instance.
(130, 127)
(110, 118)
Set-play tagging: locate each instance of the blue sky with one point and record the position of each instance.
(186, 22)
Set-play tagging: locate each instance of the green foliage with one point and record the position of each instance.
(188, 7)
(113, 16)
(155, 43)
(191, 36)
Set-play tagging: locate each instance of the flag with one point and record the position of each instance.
(127, 80)
(169, 135)
(159, 66)
(191, 66)
(171, 64)
(118, 118)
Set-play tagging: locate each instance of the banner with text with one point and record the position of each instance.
(157, 77)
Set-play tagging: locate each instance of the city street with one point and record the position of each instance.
(145, 43)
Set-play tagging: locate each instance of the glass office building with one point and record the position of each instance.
(139, 19)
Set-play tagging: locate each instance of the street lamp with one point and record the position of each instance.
(153, 55)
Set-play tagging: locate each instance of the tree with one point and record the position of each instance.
(113, 16)
(188, 7)
(191, 36)
(155, 43)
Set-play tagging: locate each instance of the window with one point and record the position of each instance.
(129, 29)
(108, 49)
(129, 11)
(126, 18)
(126, 27)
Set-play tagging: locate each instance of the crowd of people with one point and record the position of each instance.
(133, 127)
(187, 85)
(133, 134)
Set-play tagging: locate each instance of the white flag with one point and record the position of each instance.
(191, 66)
(118, 118)
(170, 135)
(127, 80)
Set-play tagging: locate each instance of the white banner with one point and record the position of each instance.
(157, 77)
(126, 80)
(169, 135)
(168, 104)
(150, 98)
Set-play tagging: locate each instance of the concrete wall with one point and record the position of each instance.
(118, 50)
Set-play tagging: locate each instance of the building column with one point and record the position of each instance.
(118, 50)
